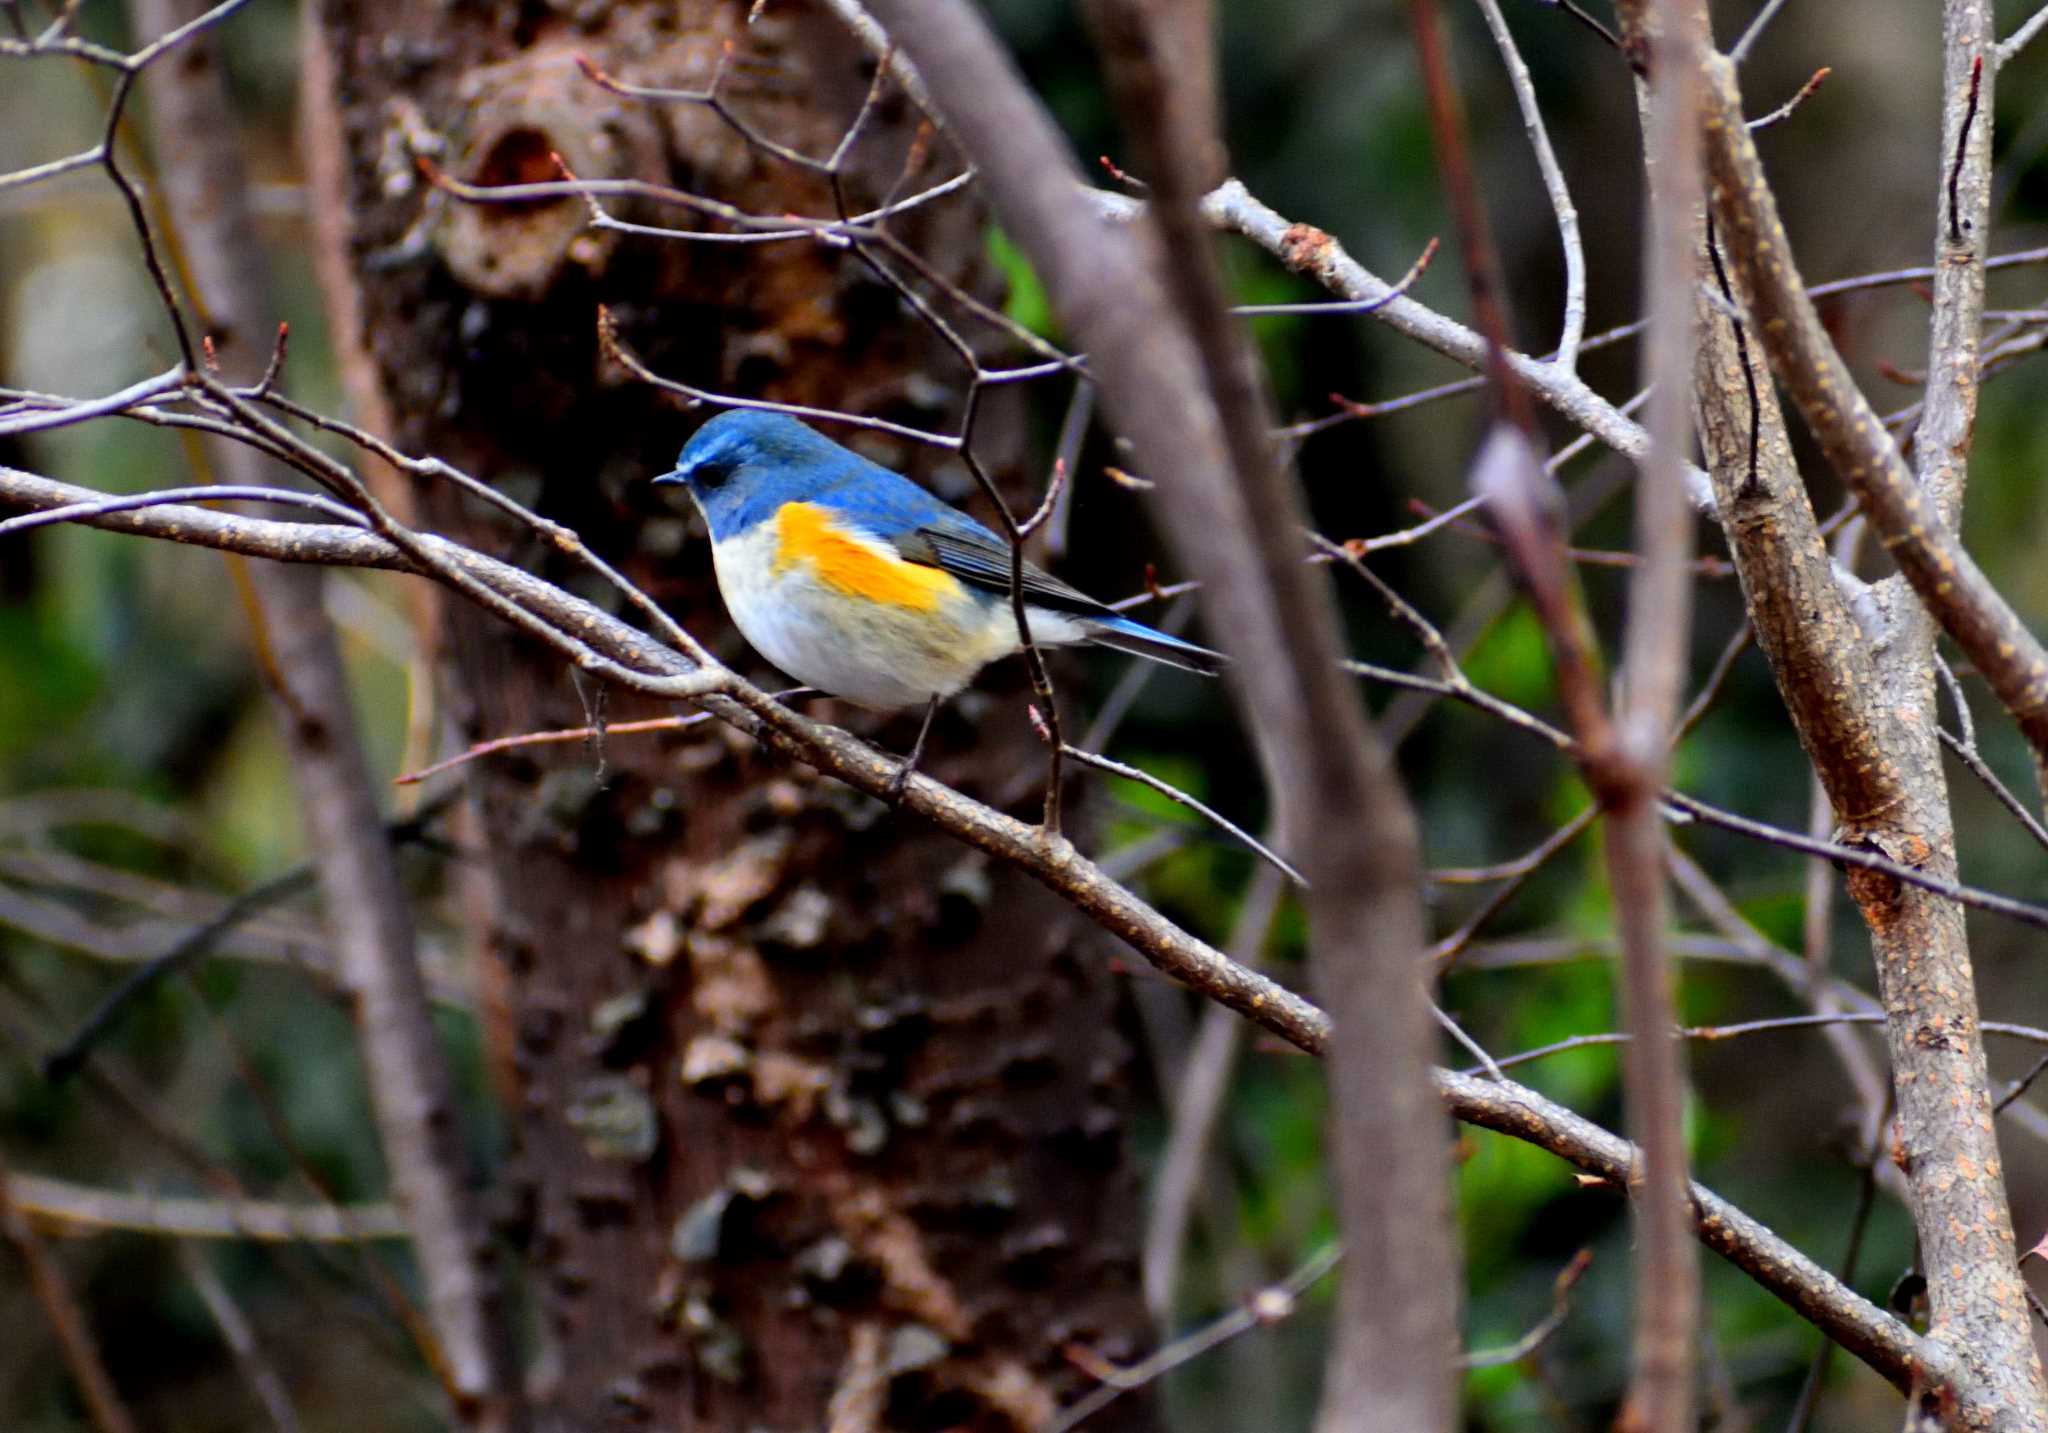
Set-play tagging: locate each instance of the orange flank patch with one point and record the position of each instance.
(853, 564)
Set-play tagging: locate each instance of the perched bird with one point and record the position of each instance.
(856, 581)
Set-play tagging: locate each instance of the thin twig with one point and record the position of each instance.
(1690, 806)
(2019, 39)
(75, 1342)
(84, 1209)
(1445, 953)
(1799, 97)
(1859, 1221)
(1967, 753)
(1865, 860)
(1207, 812)
(548, 738)
(1560, 1309)
(1773, 1025)
(1198, 1103)
(1329, 307)
(1267, 1306)
(1567, 213)
(204, 493)
(264, 1381)
(1471, 1047)
(1754, 31)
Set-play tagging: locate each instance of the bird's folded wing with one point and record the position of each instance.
(981, 559)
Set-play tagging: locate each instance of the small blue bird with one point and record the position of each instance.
(854, 580)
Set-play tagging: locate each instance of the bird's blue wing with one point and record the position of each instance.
(976, 556)
(924, 530)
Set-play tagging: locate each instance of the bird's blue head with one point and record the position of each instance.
(744, 464)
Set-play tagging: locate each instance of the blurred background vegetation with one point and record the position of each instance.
(141, 779)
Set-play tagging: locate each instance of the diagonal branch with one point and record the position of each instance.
(1881, 1341)
(1310, 251)
(660, 670)
(1910, 522)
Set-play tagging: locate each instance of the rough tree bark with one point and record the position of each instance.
(819, 1114)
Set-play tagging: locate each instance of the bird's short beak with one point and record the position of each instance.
(673, 475)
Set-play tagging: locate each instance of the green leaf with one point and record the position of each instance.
(1026, 302)
(1512, 661)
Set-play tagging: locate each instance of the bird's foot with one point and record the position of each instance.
(893, 792)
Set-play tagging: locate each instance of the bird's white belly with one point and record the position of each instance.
(872, 653)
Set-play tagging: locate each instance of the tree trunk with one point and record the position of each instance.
(819, 1117)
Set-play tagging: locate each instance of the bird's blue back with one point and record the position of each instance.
(772, 459)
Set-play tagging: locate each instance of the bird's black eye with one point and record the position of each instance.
(711, 474)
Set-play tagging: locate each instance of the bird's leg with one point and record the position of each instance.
(902, 776)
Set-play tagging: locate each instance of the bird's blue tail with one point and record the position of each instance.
(1124, 635)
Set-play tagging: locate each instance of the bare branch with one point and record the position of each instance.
(1175, 794)
(1754, 31)
(747, 228)
(1267, 1306)
(1967, 753)
(81, 1354)
(1860, 858)
(1574, 326)
(207, 493)
(1310, 251)
(1513, 875)
(1866, 1331)
(235, 1331)
(1811, 983)
(1560, 1309)
(55, 42)
(548, 738)
(1854, 284)
(1197, 1106)
(1914, 525)
(44, 414)
(83, 1209)
(650, 666)
(2022, 37)
(871, 36)
(1799, 97)
(1669, 35)
(1330, 307)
